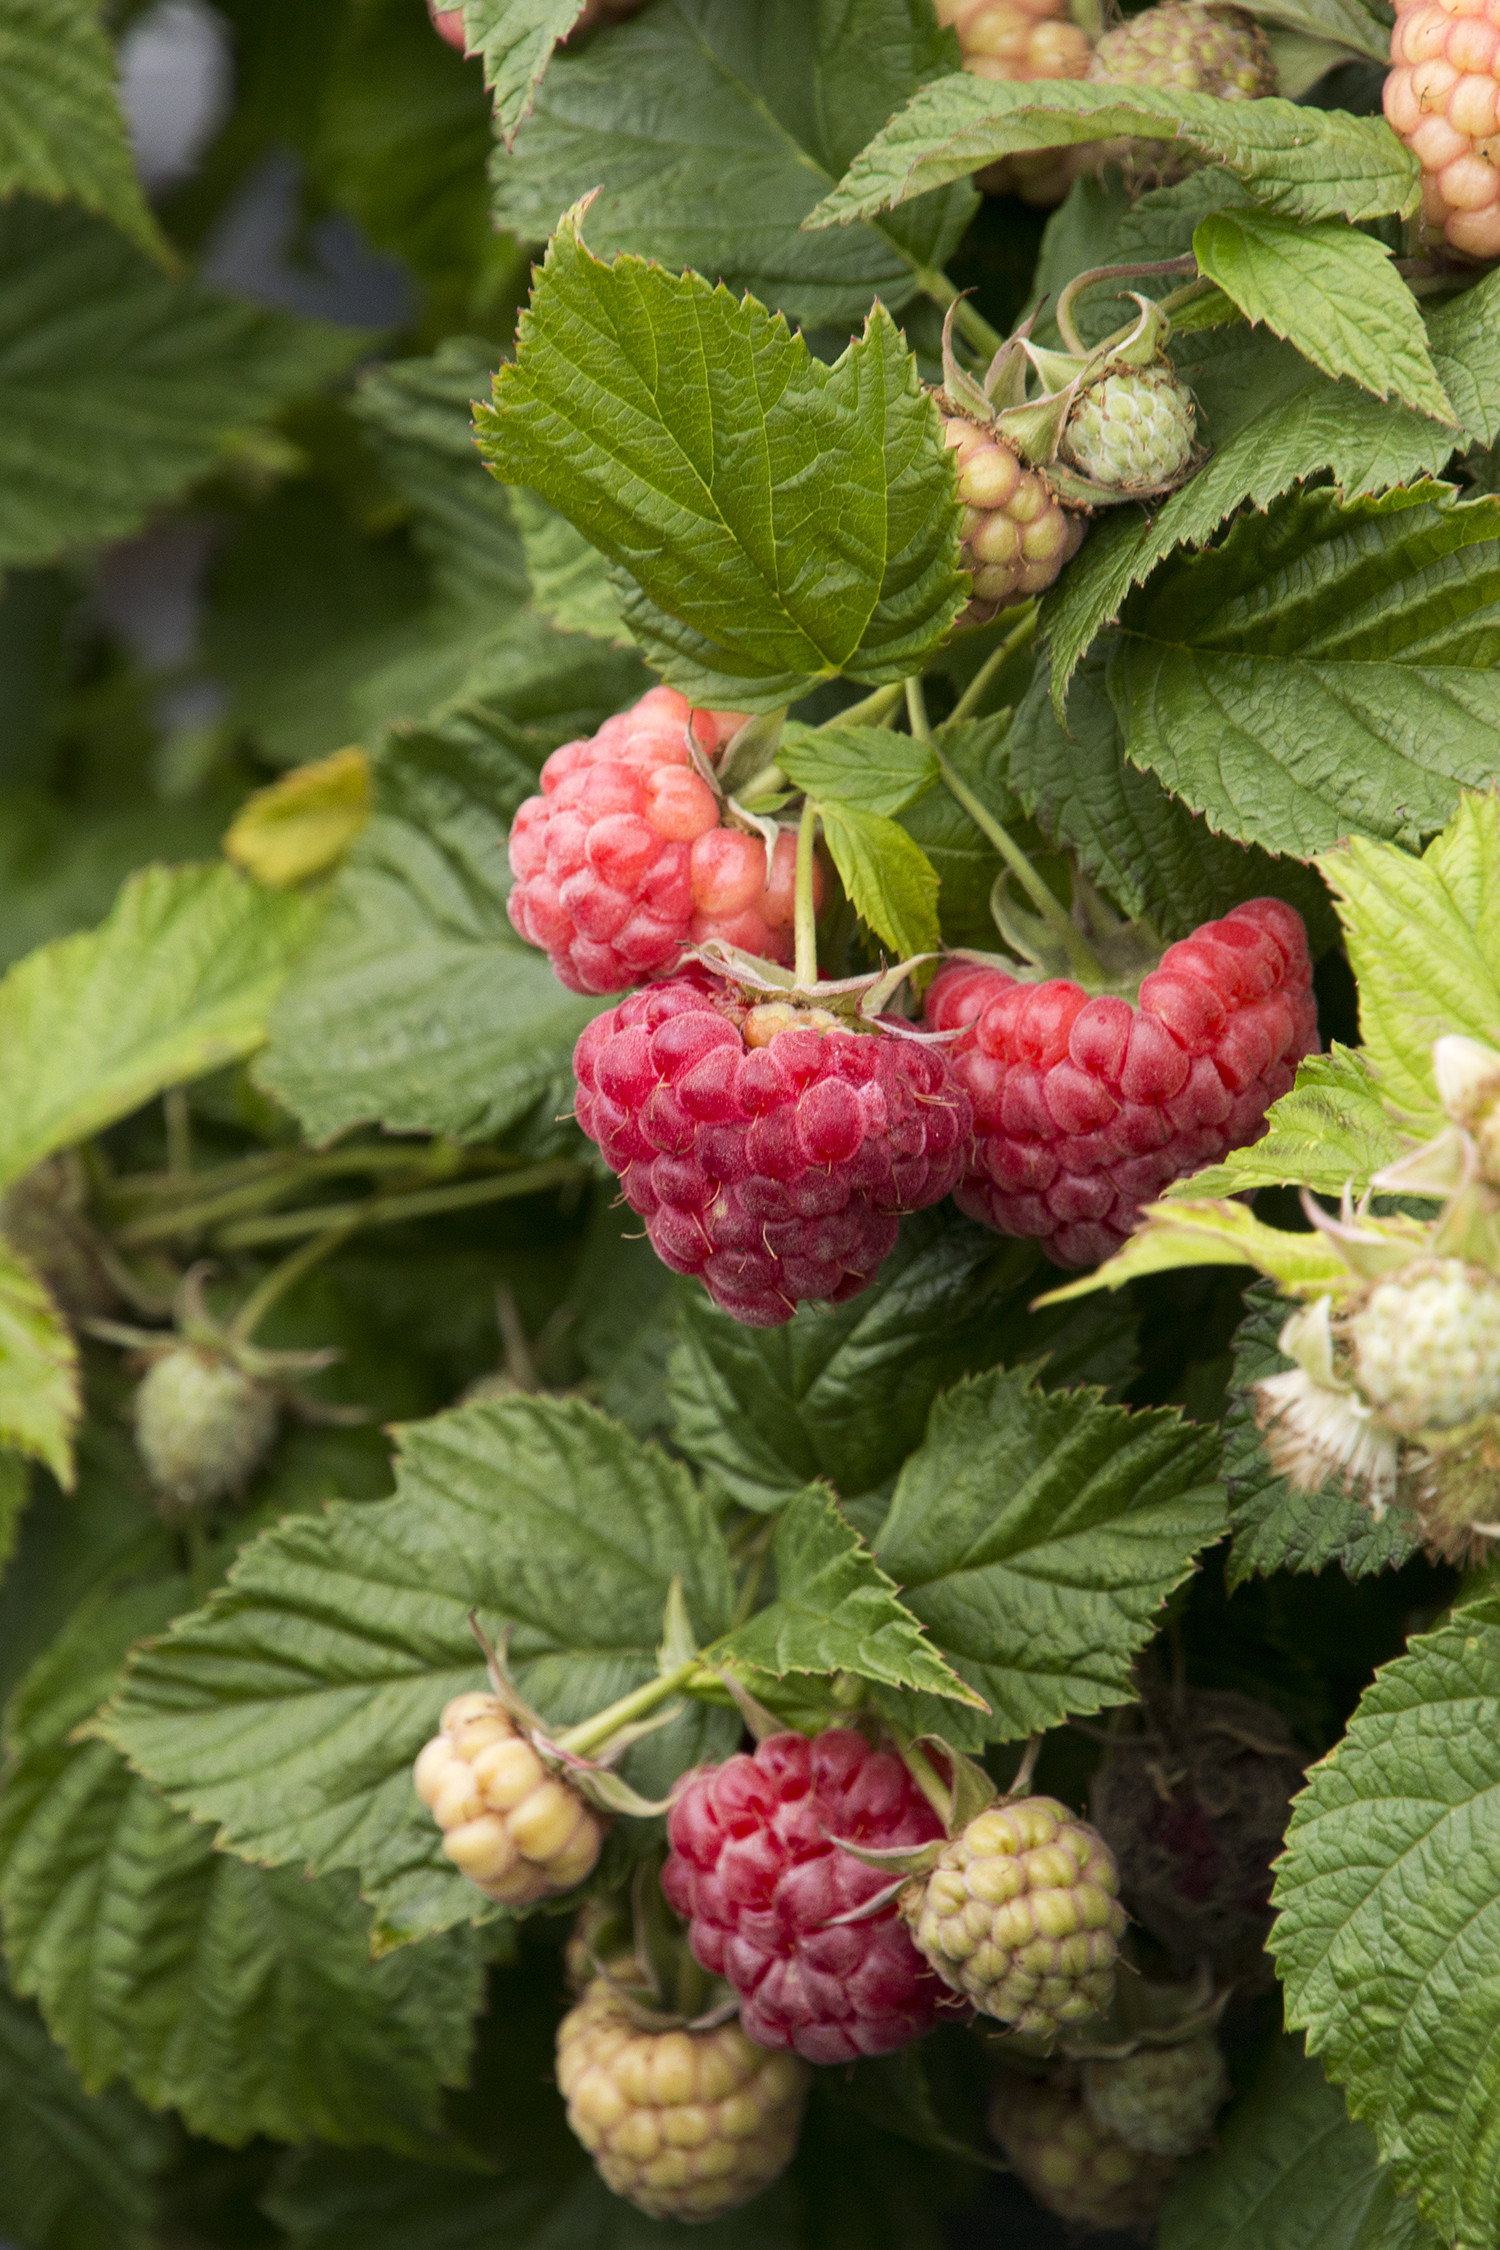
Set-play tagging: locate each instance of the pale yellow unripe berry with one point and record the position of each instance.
(517, 1831)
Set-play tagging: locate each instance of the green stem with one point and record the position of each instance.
(228, 1189)
(971, 324)
(1024, 1771)
(995, 663)
(870, 712)
(179, 1123)
(805, 921)
(587, 1736)
(1081, 281)
(385, 1208)
(280, 1279)
(1085, 961)
(916, 712)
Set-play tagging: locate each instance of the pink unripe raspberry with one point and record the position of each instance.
(769, 1150)
(519, 1832)
(1442, 97)
(756, 1873)
(1085, 1109)
(1016, 533)
(622, 860)
(1017, 39)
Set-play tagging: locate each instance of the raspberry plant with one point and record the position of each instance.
(750, 1172)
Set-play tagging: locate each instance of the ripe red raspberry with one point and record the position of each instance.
(1443, 98)
(1085, 1109)
(769, 1150)
(621, 861)
(754, 1871)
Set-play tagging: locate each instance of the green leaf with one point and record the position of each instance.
(711, 135)
(75, 2174)
(516, 39)
(15, 1491)
(836, 1610)
(1152, 856)
(843, 1391)
(289, 1710)
(178, 979)
(1329, 1133)
(244, 1997)
(1424, 942)
(1465, 341)
(570, 582)
(1332, 292)
(1309, 163)
(1390, 1917)
(889, 879)
(1274, 1526)
(1172, 1235)
(1364, 704)
(1291, 2171)
(63, 137)
(1365, 30)
(1036, 1535)
(784, 521)
(872, 769)
(94, 337)
(39, 1397)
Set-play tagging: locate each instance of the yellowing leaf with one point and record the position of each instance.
(39, 1399)
(302, 825)
(1213, 1234)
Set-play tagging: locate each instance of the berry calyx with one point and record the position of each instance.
(1160, 2100)
(756, 1873)
(1020, 1915)
(770, 1147)
(1073, 2165)
(624, 859)
(684, 2123)
(1442, 98)
(202, 1424)
(1086, 1107)
(518, 1830)
(1134, 429)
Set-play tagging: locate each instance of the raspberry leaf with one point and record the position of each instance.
(1329, 1133)
(649, 116)
(867, 769)
(178, 979)
(76, 2173)
(570, 582)
(1311, 164)
(1424, 942)
(306, 2037)
(1465, 344)
(516, 39)
(889, 879)
(783, 521)
(1202, 1233)
(1036, 1534)
(1332, 292)
(39, 1389)
(1274, 1526)
(836, 1610)
(1399, 1829)
(328, 1657)
(63, 136)
(1290, 735)
(1291, 2169)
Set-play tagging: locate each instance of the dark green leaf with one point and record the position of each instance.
(516, 39)
(75, 2174)
(888, 878)
(62, 135)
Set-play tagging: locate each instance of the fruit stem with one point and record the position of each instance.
(276, 1283)
(1081, 281)
(934, 283)
(870, 712)
(923, 1773)
(1026, 1768)
(586, 1737)
(424, 1203)
(805, 921)
(995, 663)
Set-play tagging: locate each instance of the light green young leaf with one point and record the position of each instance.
(94, 337)
(1389, 1891)
(289, 1710)
(244, 1997)
(1330, 1132)
(1274, 1526)
(711, 133)
(1290, 2171)
(1036, 1535)
(75, 2174)
(1332, 292)
(889, 879)
(784, 521)
(1424, 943)
(39, 1392)
(63, 136)
(177, 980)
(1170, 1235)
(1366, 702)
(836, 1610)
(570, 582)
(872, 769)
(1309, 163)
(516, 39)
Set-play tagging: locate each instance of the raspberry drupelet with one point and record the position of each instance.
(1085, 1109)
(756, 1873)
(1442, 97)
(623, 858)
(769, 1150)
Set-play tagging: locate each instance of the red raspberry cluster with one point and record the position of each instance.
(1085, 1109)
(622, 860)
(755, 1872)
(769, 1150)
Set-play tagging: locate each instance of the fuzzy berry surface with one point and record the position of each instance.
(202, 1426)
(518, 1832)
(1442, 98)
(756, 1873)
(1084, 1109)
(1072, 2164)
(1018, 40)
(1133, 430)
(1160, 2100)
(1218, 51)
(623, 859)
(1017, 535)
(684, 2124)
(770, 1151)
(1427, 1346)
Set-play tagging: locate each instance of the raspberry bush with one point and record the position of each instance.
(750, 1171)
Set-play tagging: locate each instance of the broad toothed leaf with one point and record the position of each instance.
(516, 39)
(39, 1398)
(63, 136)
(1329, 1133)
(891, 883)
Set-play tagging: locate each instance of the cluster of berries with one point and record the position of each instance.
(1442, 96)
